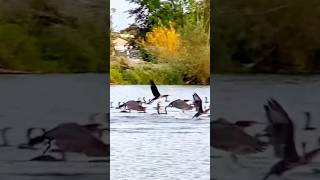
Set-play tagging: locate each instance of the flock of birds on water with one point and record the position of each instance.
(279, 133)
(184, 105)
(225, 135)
(86, 139)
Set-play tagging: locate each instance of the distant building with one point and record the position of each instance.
(120, 44)
(126, 36)
(122, 47)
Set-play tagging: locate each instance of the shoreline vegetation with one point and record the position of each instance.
(266, 37)
(52, 36)
(164, 33)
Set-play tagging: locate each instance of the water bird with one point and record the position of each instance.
(111, 104)
(308, 127)
(290, 159)
(133, 105)
(206, 100)
(230, 137)
(29, 133)
(155, 92)
(198, 105)
(72, 137)
(4, 131)
(179, 104)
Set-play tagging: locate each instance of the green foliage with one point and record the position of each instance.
(273, 36)
(18, 50)
(43, 36)
(115, 75)
(190, 62)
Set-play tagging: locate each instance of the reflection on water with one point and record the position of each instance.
(46, 101)
(242, 98)
(159, 147)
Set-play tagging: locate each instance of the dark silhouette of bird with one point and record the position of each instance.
(230, 137)
(179, 104)
(198, 105)
(72, 137)
(206, 100)
(5, 141)
(133, 105)
(111, 104)
(282, 127)
(155, 92)
(308, 127)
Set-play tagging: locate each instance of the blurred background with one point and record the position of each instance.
(266, 36)
(53, 36)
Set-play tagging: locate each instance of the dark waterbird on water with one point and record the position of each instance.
(206, 100)
(72, 137)
(133, 105)
(198, 105)
(308, 127)
(155, 92)
(281, 121)
(179, 104)
(111, 104)
(4, 131)
(232, 138)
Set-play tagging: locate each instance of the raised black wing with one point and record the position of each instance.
(197, 102)
(154, 90)
(282, 130)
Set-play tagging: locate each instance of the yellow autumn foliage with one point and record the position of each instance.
(164, 38)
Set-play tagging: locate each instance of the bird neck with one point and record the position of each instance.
(4, 138)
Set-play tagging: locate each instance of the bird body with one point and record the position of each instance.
(180, 104)
(198, 105)
(133, 105)
(282, 133)
(72, 137)
(229, 137)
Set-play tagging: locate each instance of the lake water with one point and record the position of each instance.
(46, 101)
(242, 97)
(149, 146)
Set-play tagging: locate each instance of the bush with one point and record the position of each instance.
(18, 50)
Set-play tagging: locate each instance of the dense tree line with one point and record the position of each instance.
(269, 36)
(166, 32)
(53, 35)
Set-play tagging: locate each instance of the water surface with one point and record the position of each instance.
(46, 101)
(242, 98)
(169, 146)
